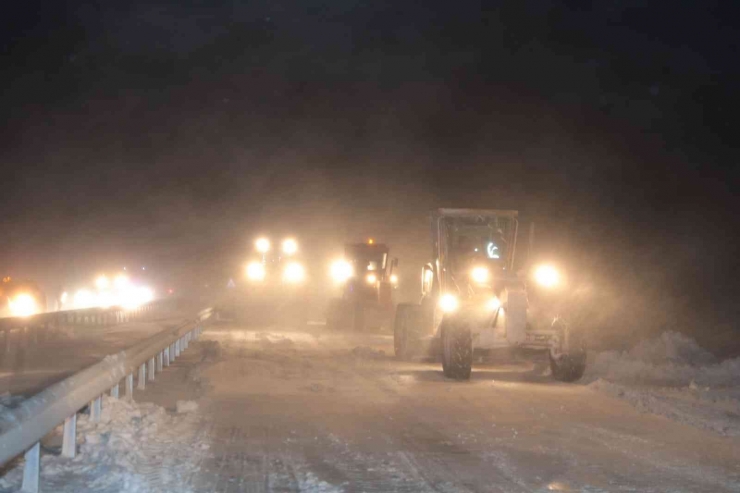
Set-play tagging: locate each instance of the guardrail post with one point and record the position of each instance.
(172, 353)
(114, 391)
(69, 439)
(150, 370)
(95, 408)
(166, 354)
(160, 361)
(142, 377)
(177, 348)
(31, 469)
(130, 386)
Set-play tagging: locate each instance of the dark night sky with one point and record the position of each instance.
(170, 133)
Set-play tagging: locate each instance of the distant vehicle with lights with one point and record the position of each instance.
(472, 299)
(367, 277)
(276, 284)
(21, 298)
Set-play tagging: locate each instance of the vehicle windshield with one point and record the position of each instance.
(479, 240)
(370, 261)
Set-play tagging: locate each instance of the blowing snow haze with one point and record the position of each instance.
(171, 134)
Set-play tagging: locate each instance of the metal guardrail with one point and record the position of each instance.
(37, 416)
(86, 316)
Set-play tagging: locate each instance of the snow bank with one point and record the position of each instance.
(672, 360)
(186, 407)
(134, 448)
(672, 376)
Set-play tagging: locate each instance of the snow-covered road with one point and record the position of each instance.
(281, 410)
(327, 412)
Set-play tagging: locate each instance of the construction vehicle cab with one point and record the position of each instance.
(366, 278)
(472, 298)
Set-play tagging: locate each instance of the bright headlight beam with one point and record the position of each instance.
(371, 278)
(120, 281)
(255, 271)
(479, 274)
(262, 245)
(294, 272)
(341, 270)
(290, 246)
(547, 276)
(23, 305)
(448, 303)
(84, 299)
(102, 282)
(493, 304)
(394, 279)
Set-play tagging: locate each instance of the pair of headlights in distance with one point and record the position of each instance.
(289, 246)
(450, 303)
(341, 271)
(293, 272)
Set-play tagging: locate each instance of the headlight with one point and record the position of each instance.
(256, 271)
(493, 304)
(341, 270)
(262, 245)
(290, 246)
(479, 275)
(371, 278)
(120, 281)
(84, 299)
(448, 303)
(547, 276)
(102, 282)
(294, 272)
(23, 305)
(394, 279)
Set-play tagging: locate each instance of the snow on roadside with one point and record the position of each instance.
(672, 376)
(134, 448)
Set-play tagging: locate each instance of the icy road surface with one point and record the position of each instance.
(316, 411)
(286, 411)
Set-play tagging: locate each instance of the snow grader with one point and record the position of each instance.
(473, 299)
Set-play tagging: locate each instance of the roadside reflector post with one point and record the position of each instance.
(142, 377)
(31, 469)
(95, 408)
(166, 356)
(178, 349)
(69, 438)
(130, 386)
(114, 391)
(160, 362)
(150, 370)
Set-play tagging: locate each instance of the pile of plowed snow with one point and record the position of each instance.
(674, 377)
(133, 448)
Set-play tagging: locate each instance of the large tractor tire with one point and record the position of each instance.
(569, 365)
(457, 350)
(406, 331)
